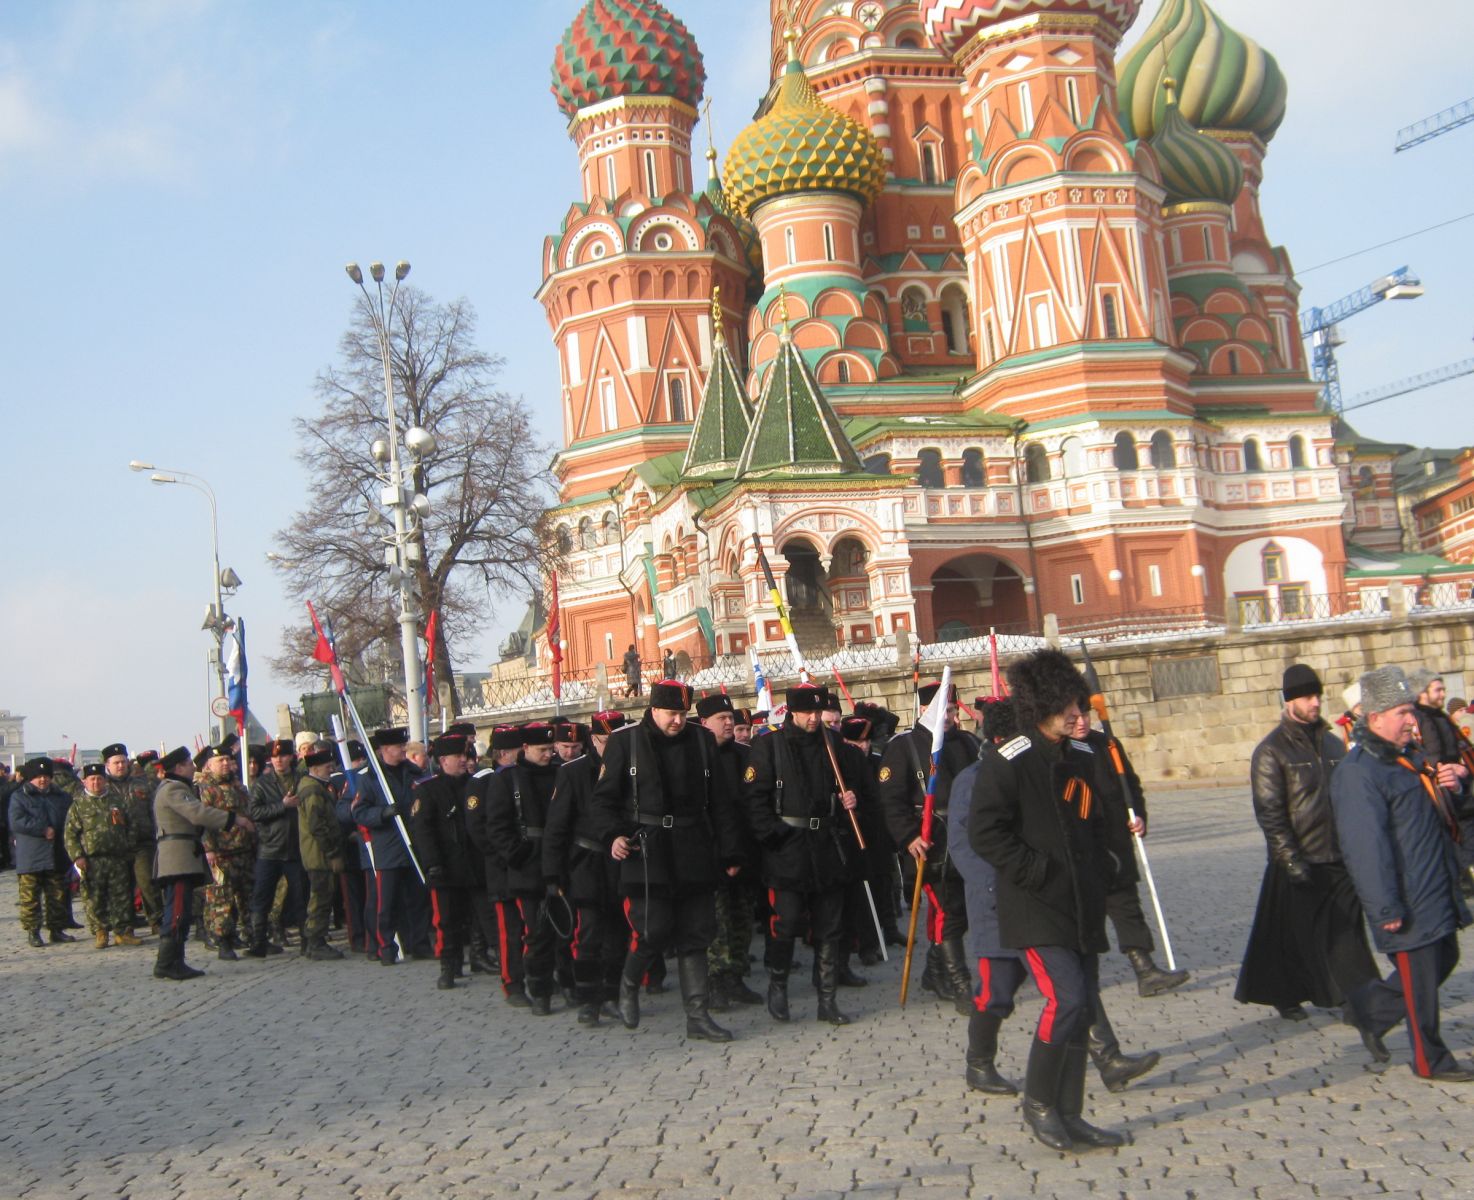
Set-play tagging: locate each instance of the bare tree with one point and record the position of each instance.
(488, 485)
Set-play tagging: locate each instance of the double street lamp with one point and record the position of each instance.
(403, 553)
(225, 582)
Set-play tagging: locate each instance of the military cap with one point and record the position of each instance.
(91, 769)
(175, 758)
(1385, 688)
(854, 729)
(760, 717)
(202, 756)
(356, 750)
(565, 731)
(393, 735)
(709, 706)
(144, 757)
(506, 737)
(448, 744)
(831, 701)
(671, 694)
(317, 758)
(608, 721)
(806, 698)
(464, 728)
(113, 749)
(742, 716)
(1420, 677)
(929, 691)
(537, 733)
(34, 768)
(278, 747)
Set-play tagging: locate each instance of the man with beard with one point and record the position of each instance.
(1398, 828)
(133, 783)
(903, 773)
(437, 821)
(508, 825)
(577, 867)
(1307, 942)
(798, 812)
(1035, 821)
(671, 823)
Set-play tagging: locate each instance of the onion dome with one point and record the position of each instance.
(1194, 166)
(626, 48)
(801, 145)
(951, 24)
(1228, 82)
(752, 243)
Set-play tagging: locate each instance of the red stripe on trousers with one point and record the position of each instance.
(178, 909)
(435, 917)
(378, 911)
(1046, 986)
(935, 914)
(634, 933)
(526, 929)
(773, 909)
(985, 973)
(577, 930)
(1420, 1052)
(501, 935)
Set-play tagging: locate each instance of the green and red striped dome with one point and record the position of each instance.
(626, 48)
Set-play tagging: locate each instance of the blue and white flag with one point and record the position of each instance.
(760, 682)
(235, 674)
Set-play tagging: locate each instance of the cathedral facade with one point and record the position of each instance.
(976, 321)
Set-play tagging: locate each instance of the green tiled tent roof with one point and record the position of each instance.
(795, 433)
(722, 422)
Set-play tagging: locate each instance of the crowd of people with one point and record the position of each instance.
(578, 861)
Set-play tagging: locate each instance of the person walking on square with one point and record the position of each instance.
(1307, 942)
(1398, 830)
(99, 842)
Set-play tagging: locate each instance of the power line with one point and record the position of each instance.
(1392, 242)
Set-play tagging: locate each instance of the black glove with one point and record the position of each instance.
(391, 810)
(435, 876)
(1298, 872)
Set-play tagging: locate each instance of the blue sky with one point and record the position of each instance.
(181, 182)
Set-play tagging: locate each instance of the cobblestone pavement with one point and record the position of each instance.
(292, 1079)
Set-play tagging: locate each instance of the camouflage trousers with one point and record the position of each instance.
(107, 893)
(31, 889)
(736, 901)
(228, 895)
(319, 905)
(143, 880)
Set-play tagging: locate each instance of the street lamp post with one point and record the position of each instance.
(404, 550)
(215, 621)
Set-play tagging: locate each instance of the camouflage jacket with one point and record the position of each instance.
(137, 795)
(98, 825)
(229, 795)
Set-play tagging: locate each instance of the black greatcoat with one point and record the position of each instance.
(517, 802)
(790, 776)
(1114, 802)
(437, 825)
(903, 770)
(686, 811)
(571, 857)
(1054, 868)
(478, 792)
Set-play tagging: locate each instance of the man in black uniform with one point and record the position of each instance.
(511, 833)
(397, 901)
(672, 824)
(1035, 819)
(903, 772)
(797, 811)
(437, 823)
(577, 867)
(881, 864)
(1123, 905)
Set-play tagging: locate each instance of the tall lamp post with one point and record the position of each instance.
(216, 622)
(405, 506)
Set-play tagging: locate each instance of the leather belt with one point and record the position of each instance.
(584, 843)
(661, 820)
(533, 831)
(808, 822)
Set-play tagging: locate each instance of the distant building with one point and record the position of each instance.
(12, 736)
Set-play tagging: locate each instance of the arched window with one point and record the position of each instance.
(1125, 452)
(1253, 461)
(878, 464)
(790, 245)
(1108, 316)
(1036, 463)
(974, 473)
(1072, 457)
(954, 319)
(1297, 451)
(611, 529)
(651, 188)
(677, 389)
(929, 469)
(1163, 457)
(565, 540)
(842, 371)
(929, 172)
(587, 540)
(828, 243)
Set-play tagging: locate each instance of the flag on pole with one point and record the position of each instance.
(777, 598)
(935, 719)
(235, 674)
(1000, 689)
(326, 650)
(555, 638)
(430, 656)
(760, 683)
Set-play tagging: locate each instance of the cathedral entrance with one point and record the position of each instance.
(973, 592)
(810, 606)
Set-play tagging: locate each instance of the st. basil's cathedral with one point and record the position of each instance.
(971, 324)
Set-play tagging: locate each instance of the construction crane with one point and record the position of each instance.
(1435, 126)
(1413, 383)
(1321, 326)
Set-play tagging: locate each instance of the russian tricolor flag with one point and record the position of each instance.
(235, 673)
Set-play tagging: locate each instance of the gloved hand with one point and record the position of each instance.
(391, 810)
(1298, 871)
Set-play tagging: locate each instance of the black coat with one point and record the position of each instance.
(790, 777)
(437, 826)
(732, 761)
(665, 789)
(276, 823)
(515, 816)
(1290, 775)
(1115, 801)
(1054, 868)
(371, 812)
(903, 770)
(571, 856)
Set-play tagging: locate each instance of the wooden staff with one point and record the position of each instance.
(859, 837)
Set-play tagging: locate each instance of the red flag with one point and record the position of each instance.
(326, 652)
(1000, 689)
(430, 656)
(555, 637)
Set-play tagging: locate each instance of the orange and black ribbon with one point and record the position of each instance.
(1078, 790)
(1436, 794)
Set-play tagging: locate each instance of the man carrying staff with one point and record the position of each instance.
(396, 903)
(1307, 942)
(799, 812)
(1036, 821)
(671, 823)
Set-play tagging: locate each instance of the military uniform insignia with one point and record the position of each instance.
(1083, 747)
(472, 802)
(414, 809)
(885, 774)
(1011, 750)
(749, 775)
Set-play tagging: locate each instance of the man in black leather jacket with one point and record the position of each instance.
(1308, 941)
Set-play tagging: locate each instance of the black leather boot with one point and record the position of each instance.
(629, 990)
(1116, 1069)
(1151, 980)
(181, 968)
(1041, 1095)
(982, 1050)
(1072, 1103)
(959, 977)
(740, 992)
(934, 976)
(225, 950)
(34, 939)
(847, 977)
(827, 955)
(320, 951)
(164, 964)
(693, 975)
(448, 965)
(779, 960)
